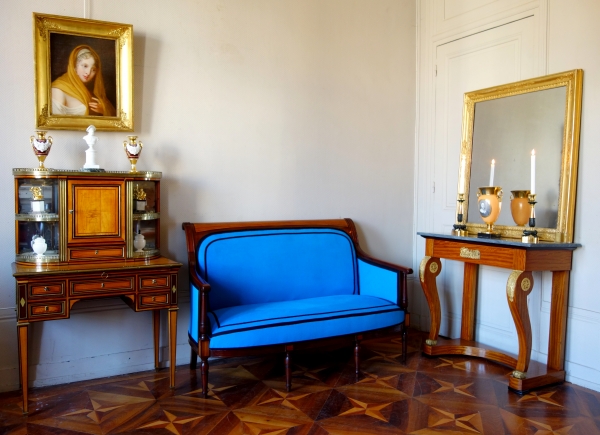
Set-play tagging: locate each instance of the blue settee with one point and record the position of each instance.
(260, 287)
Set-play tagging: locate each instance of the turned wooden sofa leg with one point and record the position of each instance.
(357, 358)
(204, 349)
(288, 371)
(204, 372)
(404, 346)
(193, 360)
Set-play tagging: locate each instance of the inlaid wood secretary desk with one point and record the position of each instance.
(75, 241)
(522, 259)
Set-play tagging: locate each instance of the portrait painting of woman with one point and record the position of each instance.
(81, 91)
(83, 73)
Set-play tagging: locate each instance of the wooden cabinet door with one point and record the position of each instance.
(96, 211)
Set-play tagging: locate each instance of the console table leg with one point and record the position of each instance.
(156, 329)
(172, 344)
(558, 319)
(467, 328)
(518, 287)
(22, 331)
(429, 269)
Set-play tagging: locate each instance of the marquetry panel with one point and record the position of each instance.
(96, 210)
(101, 285)
(47, 310)
(154, 282)
(47, 290)
(95, 254)
(153, 300)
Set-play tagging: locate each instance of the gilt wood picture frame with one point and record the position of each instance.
(83, 73)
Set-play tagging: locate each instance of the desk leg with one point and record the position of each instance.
(172, 344)
(156, 330)
(467, 327)
(429, 269)
(22, 330)
(558, 320)
(519, 285)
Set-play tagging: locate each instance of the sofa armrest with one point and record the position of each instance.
(385, 280)
(199, 304)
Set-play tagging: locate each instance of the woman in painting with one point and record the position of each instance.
(80, 91)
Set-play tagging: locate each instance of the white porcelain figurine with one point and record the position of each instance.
(38, 244)
(139, 242)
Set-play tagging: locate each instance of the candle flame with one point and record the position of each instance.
(533, 152)
(493, 162)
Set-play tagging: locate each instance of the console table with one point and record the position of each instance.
(522, 259)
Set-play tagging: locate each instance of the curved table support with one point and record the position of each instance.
(518, 287)
(429, 269)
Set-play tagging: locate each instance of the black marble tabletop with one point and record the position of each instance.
(516, 243)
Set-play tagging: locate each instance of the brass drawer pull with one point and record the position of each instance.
(46, 308)
(153, 281)
(96, 252)
(46, 289)
(101, 285)
(153, 299)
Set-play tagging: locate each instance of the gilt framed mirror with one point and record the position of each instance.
(505, 123)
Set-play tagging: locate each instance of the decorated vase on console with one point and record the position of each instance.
(489, 202)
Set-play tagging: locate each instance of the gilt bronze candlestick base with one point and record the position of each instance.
(459, 228)
(531, 235)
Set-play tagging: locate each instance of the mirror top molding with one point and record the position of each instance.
(556, 203)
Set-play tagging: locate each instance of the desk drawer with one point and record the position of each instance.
(47, 290)
(101, 285)
(154, 300)
(505, 257)
(156, 282)
(94, 254)
(47, 310)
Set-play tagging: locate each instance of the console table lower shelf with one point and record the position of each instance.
(523, 259)
(48, 292)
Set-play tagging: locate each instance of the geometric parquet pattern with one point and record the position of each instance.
(440, 395)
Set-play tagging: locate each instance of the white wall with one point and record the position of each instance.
(253, 111)
(573, 43)
(568, 39)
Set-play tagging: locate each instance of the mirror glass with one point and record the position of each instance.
(505, 123)
(507, 130)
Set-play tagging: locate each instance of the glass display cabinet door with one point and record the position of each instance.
(143, 198)
(37, 218)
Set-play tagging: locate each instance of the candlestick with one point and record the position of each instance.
(532, 172)
(459, 228)
(492, 172)
(461, 175)
(531, 235)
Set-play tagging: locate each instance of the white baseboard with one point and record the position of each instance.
(91, 368)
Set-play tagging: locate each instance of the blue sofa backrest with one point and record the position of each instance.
(247, 267)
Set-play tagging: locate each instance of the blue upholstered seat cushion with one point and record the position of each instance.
(299, 320)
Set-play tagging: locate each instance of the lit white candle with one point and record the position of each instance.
(532, 172)
(461, 172)
(492, 172)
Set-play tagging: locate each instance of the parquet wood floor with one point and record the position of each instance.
(447, 395)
